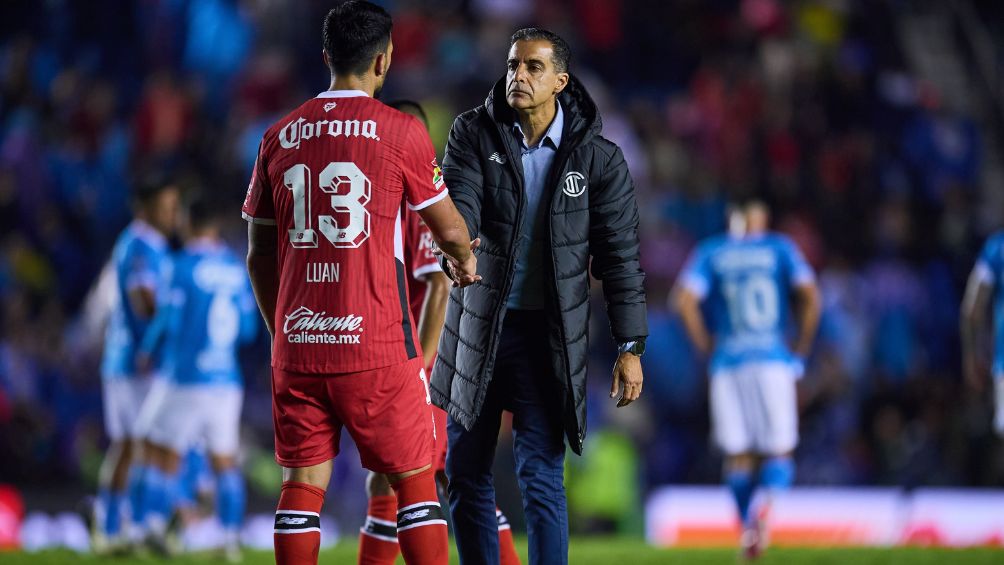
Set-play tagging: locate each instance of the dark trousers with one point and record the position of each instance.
(524, 384)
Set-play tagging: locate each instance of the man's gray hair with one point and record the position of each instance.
(562, 54)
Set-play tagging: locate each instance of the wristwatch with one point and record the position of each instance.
(637, 347)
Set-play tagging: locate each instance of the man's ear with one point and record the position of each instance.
(324, 55)
(562, 83)
(380, 64)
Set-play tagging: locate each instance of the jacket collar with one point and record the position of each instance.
(553, 133)
(581, 117)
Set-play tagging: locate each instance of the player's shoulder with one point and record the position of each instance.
(145, 240)
(403, 121)
(274, 130)
(996, 241)
(711, 245)
(780, 241)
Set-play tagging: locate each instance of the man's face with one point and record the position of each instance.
(531, 79)
(164, 210)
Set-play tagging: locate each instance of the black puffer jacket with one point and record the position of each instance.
(592, 213)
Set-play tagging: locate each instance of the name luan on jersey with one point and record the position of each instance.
(332, 176)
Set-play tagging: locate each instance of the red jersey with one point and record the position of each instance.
(332, 177)
(418, 259)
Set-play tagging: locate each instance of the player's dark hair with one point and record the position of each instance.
(354, 33)
(148, 187)
(203, 213)
(405, 105)
(561, 53)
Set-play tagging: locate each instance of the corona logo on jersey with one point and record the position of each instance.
(304, 325)
(301, 130)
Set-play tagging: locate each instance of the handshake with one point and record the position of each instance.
(462, 266)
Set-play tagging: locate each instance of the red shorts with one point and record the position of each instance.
(387, 412)
(439, 453)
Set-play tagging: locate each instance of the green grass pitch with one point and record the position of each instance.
(590, 551)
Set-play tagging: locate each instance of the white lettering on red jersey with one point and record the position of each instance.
(332, 177)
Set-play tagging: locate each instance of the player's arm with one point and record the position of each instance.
(141, 284)
(808, 309)
(143, 301)
(166, 320)
(263, 269)
(687, 304)
(804, 295)
(686, 298)
(426, 194)
(430, 322)
(973, 323)
(449, 231)
(152, 339)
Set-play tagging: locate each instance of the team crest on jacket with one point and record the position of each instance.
(574, 184)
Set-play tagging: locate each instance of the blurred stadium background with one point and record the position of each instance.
(872, 127)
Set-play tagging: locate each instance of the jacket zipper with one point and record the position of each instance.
(520, 205)
(565, 158)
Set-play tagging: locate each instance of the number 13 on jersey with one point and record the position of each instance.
(349, 190)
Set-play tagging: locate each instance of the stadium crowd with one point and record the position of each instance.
(809, 104)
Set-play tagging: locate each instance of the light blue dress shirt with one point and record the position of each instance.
(527, 291)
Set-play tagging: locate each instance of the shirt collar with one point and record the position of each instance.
(553, 132)
(341, 94)
(203, 245)
(148, 233)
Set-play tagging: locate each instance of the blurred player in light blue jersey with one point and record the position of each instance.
(141, 262)
(734, 298)
(208, 311)
(984, 288)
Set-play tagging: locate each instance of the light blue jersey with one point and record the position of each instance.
(744, 284)
(990, 271)
(141, 260)
(207, 312)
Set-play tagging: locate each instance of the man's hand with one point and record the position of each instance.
(144, 364)
(975, 373)
(463, 273)
(627, 372)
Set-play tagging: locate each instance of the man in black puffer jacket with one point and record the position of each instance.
(543, 193)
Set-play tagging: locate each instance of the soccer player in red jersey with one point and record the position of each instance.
(428, 290)
(326, 262)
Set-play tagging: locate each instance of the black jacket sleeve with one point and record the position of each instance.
(462, 173)
(614, 246)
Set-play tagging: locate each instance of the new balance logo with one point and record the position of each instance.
(421, 514)
(295, 522)
(414, 515)
(500, 159)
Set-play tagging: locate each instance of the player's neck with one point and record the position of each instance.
(353, 82)
(144, 220)
(535, 121)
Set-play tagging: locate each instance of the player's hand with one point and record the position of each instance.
(463, 273)
(143, 363)
(626, 386)
(974, 373)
